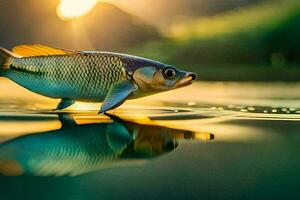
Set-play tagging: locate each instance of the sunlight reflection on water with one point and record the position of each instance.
(199, 104)
(210, 135)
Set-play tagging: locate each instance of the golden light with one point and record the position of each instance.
(79, 106)
(70, 9)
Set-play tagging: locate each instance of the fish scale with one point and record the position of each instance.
(80, 76)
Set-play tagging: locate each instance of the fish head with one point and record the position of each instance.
(150, 141)
(158, 78)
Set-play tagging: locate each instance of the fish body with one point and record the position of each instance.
(83, 77)
(78, 149)
(66, 151)
(88, 76)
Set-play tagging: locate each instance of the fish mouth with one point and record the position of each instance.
(187, 80)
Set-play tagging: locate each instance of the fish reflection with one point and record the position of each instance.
(78, 149)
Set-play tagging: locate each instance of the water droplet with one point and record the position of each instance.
(191, 103)
(244, 110)
(251, 108)
(265, 111)
(292, 109)
(274, 111)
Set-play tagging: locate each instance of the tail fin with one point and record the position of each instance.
(5, 58)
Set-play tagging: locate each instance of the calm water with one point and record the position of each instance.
(207, 141)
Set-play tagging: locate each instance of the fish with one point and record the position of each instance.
(88, 76)
(68, 152)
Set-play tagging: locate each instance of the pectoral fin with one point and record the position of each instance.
(118, 136)
(117, 94)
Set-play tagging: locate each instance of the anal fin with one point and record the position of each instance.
(67, 121)
(65, 103)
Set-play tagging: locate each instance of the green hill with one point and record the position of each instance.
(258, 42)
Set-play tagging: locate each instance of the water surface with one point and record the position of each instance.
(210, 141)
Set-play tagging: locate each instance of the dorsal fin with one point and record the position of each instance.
(40, 50)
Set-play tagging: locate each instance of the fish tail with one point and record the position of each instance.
(5, 59)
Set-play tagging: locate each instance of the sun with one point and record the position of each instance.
(70, 9)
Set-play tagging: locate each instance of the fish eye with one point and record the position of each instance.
(169, 73)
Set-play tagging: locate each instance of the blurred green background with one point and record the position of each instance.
(221, 40)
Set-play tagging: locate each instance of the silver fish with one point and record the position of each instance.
(68, 151)
(85, 76)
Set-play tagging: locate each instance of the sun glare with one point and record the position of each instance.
(69, 9)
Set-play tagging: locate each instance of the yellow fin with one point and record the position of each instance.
(40, 50)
